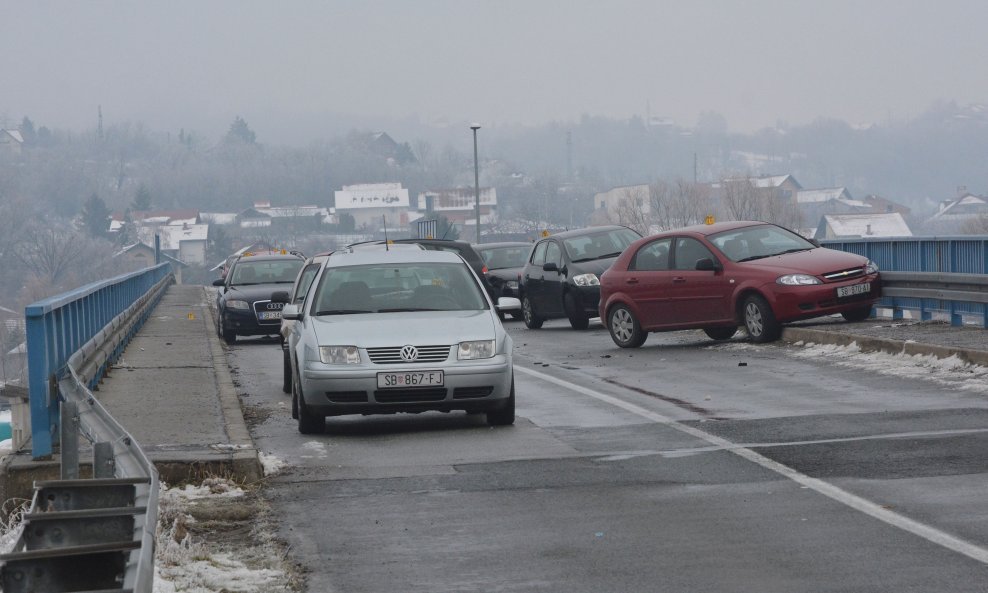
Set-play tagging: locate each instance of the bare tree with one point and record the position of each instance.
(977, 226)
(49, 253)
(634, 209)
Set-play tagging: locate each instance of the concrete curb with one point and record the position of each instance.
(872, 344)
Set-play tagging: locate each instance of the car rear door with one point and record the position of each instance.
(646, 283)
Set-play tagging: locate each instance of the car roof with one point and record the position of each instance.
(482, 246)
(712, 229)
(269, 257)
(396, 256)
(590, 230)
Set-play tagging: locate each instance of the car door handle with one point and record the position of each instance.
(631, 281)
(679, 280)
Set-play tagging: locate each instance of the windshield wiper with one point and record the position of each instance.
(795, 250)
(615, 254)
(407, 309)
(751, 257)
(342, 312)
(583, 259)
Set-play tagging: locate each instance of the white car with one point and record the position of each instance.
(400, 330)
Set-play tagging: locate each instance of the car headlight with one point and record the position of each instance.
(235, 304)
(586, 280)
(475, 350)
(798, 280)
(339, 354)
(871, 267)
(512, 284)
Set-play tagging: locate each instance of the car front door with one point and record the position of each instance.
(552, 280)
(533, 275)
(697, 296)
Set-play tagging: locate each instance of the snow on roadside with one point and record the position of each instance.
(270, 464)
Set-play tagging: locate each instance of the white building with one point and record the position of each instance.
(375, 205)
(890, 224)
(185, 242)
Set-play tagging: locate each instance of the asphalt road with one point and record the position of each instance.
(686, 465)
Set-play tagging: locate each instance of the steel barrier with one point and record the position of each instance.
(86, 534)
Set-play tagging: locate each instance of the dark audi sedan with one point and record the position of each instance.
(243, 304)
(504, 262)
(562, 275)
(719, 276)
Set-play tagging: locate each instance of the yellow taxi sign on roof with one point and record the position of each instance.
(545, 233)
(709, 219)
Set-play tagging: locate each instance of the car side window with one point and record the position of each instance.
(688, 251)
(538, 255)
(304, 282)
(553, 253)
(653, 256)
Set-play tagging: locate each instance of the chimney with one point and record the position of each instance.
(961, 191)
(868, 231)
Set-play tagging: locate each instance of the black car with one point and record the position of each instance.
(562, 275)
(505, 262)
(243, 304)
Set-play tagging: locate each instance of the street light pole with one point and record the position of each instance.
(476, 177)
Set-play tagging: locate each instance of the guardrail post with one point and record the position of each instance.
(103, 461)
(70, 440)
(40, 354)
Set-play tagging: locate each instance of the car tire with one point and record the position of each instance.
(308, 422)
(532, 319)
(505, 416)
(578, 318)
(286, 381)
(859, 314)
(625, 329)
(759, 320)
(229, 336)
(721, 333)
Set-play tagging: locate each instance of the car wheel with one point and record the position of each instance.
(578, 319)
(859, 314)
(532, 320)
(625, 329)
(308, 422)
(720, 333)
(286, 381)
(229, 336)
(759, 320)
(506, 415)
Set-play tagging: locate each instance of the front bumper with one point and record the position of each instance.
(244, 323)
(472, 386)
(792, 303)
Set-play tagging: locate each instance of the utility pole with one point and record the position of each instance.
(476, 177)
(569, 155)
(694, 168)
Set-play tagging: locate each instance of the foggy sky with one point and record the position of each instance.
(285, 65)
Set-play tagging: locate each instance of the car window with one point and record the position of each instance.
(599, 245)
(760, 241)
(553, 254)
(538, 255)
(304, 282)
(383, 288)
(282, 271)
(688, 251)
(652, 256)
(498, 258)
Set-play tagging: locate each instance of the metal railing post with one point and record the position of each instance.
(70, 440)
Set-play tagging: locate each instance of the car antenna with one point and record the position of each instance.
(384, 220)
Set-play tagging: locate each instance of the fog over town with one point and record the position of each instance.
(226, 124)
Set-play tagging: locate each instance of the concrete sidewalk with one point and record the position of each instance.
(172, 391)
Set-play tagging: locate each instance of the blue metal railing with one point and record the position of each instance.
(966, 254)
(59, 326)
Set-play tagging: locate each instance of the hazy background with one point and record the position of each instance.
(298, 71)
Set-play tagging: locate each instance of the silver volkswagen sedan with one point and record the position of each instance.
(393, 331)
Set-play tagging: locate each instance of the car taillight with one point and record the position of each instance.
(484, 269)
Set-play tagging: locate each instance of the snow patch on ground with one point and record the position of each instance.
(270, 464)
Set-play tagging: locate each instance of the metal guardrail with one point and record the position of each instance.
(958, 295)
(87, 534)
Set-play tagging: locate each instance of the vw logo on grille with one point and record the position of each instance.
(409, 353)
(276, 306)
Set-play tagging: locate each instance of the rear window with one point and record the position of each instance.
(282, 271)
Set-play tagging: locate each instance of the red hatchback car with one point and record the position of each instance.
(719, 276)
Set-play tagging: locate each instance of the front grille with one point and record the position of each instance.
(392, 355)
(425, 394)
(847, 274)
(347, 397)
(472, 392)
(263, 306)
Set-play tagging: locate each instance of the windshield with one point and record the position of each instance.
(282, 271)
(758, 242)
(599, 245)
(391, 288)
(499, 258)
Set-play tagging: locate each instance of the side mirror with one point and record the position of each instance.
(291, 312)
(280, 296)
(550, 266)
(219, 282)
(508, 304)
(708, 265)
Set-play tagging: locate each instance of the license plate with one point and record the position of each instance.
(410, 379)
(268, 315)
(846, 291)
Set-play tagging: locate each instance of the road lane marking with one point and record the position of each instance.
(876, 511)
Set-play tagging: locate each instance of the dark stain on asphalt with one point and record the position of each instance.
(672, 400)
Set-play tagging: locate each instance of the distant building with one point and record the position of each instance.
(459, 206)
(186, 242)
(139, 256)
(375, 205)
(11, 141)
(953, 215)
(630, 205)
(835, 226)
